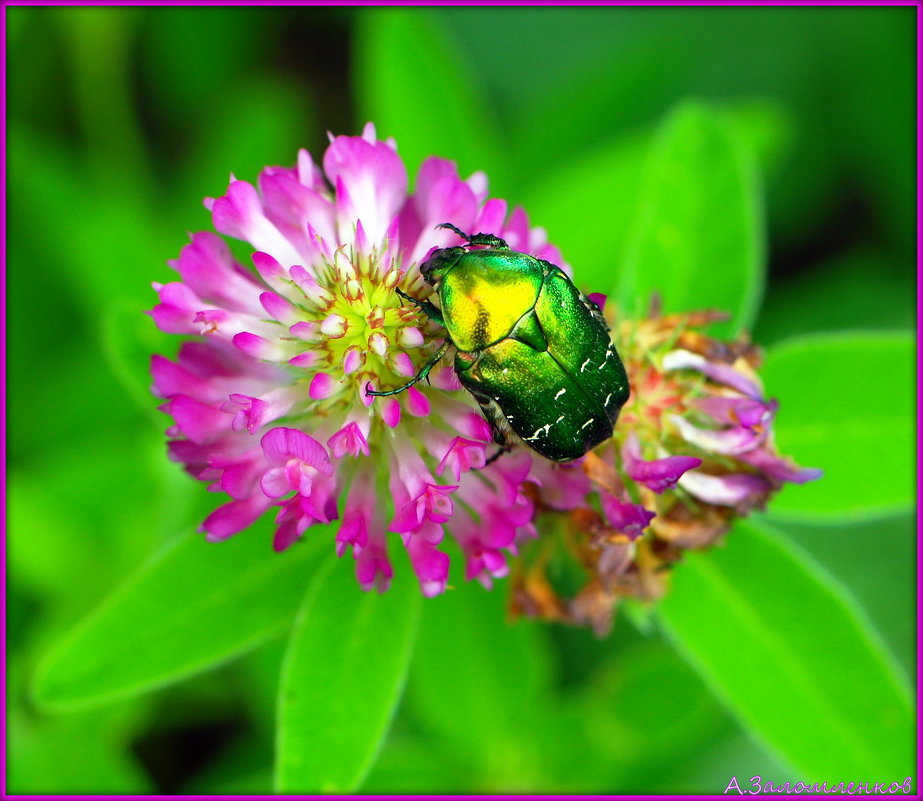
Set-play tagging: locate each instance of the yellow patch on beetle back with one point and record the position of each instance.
(484, 299)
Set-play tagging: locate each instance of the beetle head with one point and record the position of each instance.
(439, 263)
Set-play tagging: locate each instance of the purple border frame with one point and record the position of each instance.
(529, 3)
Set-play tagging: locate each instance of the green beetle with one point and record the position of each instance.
(533, 351)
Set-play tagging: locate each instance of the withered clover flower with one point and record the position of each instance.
(269, 401)
(692, 451)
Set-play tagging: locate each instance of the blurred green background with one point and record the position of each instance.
(121, 120)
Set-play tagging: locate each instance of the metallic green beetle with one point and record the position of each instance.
(533, 351)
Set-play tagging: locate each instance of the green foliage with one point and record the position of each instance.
(195, 606)
(608, 178)
(341, 680)
(701, 249)
(767, 656)
(429, 78)
(80, 753)
(848, 408)
(790, 631)
(481, 686)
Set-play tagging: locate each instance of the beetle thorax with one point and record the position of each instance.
(485, 295)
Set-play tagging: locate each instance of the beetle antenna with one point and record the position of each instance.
(476, 239)
(457, 230)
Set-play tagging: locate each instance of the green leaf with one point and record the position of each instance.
(127, 340)
(193, 55)
(193, 606)
(793, 656)
(341, 681)
(103, 226)
(847, 406)
(886, 593)
(279, 119)
(482, 682)
(768, 130)
(412, 83)
(82, 754)
(587, 204)
(860, 289)
(697, 237)
(413, 764)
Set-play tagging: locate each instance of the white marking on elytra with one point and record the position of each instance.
(538, 431)
(559, 419)
(506, 370)
(583, 366)
(560, 392)
(606, 401)
(588, 422)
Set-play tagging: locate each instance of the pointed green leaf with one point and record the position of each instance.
(341, 680)
(73, 754)
(193, 606)
(793, 656)
(587, 204)
(697, 238)
(847, 406)
(482, 682)
(412, 83)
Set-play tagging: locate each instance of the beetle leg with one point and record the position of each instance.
(500, 451)
(499, 427)
(477, 239)
(424, 306)
(424, 373)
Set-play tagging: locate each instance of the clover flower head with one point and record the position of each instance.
(692, 451)
(268, 396)
(270, 403)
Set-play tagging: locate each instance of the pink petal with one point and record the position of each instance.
(248, 412)
(308, 358)
(417, 403)
(391, 412)
(728, 440)
(261, 348)
(282, 444)
(598, 298)
(279, 308)
(208, 269)
(628, 518)
(656, 474)
(240, 214)
(462, 456)
(172, 379)
(717, 371)
(275, 483)
(743, 491)
(376, 179)
(373, 568)
(322, 386)
(348, 439)
(775, 467)
(430, 564)
(227, 520)
(196, 420)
